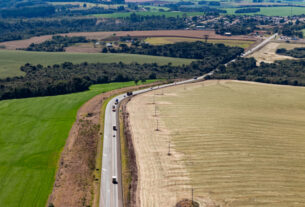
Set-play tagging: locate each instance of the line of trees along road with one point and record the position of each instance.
(286, 72)
(69, 77)
(209, 52)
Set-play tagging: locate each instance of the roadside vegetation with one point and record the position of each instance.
(194, 50)
(70, 78)
(29, 155)
(285, 72)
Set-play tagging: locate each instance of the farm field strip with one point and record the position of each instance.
(272, 11)
(172, 40)
(12, 45)
(148, 13)
(241, 143)
(34, 131)
(10, 60)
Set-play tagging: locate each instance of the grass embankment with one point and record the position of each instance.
(126, 171)
(243, 143)
(33, 133)
(172, 40)
(272, 11)
(10, 60)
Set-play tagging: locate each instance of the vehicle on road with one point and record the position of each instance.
(114, 128)
(129, 93)
(116, 101)
(114, 180)
(113, 108)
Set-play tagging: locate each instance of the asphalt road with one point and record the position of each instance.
(111, 194)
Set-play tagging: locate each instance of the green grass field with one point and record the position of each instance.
(171, 40)
(243, 143)
(33, 133)
(273, 11)
(148, 13)
(11, 60)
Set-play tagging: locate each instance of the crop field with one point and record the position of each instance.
(273, 11)
(33, 133)
(171, 40)
(10, 60)
(148, 13)
(13, 45)
(268, 53)
(235, 143)
(88, 5)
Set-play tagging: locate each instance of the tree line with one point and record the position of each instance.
(296, 52)
(218, 53)
(68, 77)
(247, 10)
(16, 29)
(286, 72)
(56, 44)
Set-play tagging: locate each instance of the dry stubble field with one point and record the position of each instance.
(235, 143)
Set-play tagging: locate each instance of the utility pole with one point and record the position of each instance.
(155, 110)
(206, 37)
(157, 125)
(192, 197)
(169, 148)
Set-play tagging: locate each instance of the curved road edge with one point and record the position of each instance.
(111, 184)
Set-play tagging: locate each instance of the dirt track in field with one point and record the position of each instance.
(12, 45)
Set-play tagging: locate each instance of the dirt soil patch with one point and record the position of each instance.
(84, 48)
(268, 54)
(12, 45)
(75, 184)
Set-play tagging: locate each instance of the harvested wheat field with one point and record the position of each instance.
(234, 143)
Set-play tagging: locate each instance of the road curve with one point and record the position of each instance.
(111, 194)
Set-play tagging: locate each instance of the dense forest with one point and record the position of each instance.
(296, 52)
(218, 53)
(28, 12)
(22, 29)
(293, 30)
(69, 77)
(247, 10)
(56, 44)
(287, 72)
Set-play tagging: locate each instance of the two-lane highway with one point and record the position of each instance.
(111, 193)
